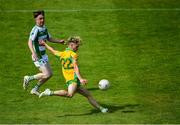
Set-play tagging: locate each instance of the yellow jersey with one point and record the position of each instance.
(67, 58)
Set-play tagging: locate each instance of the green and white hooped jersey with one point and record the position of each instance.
(39, 33)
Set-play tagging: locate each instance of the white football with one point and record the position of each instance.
(104, 84)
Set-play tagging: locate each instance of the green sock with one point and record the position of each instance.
(37, 86)
(31, 78)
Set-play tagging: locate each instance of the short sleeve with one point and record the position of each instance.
(33, 34)
(74, 56)
(49, 35)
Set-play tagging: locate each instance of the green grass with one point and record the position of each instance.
(136, 50)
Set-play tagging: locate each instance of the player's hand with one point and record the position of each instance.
(42, 42)
(83, 81)
(34, 57)
(61, 41)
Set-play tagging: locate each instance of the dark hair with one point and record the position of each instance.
(38, 12)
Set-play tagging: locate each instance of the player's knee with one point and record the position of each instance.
(65, 93)
(48, 75)
(70, 95)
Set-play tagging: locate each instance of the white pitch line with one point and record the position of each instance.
(94, 10)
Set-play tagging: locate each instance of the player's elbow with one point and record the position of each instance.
(29, 43)
(76, 69)
(49, 39)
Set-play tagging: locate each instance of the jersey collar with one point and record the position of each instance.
(40, 27)
(70, 49)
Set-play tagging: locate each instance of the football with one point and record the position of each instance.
(104, 84)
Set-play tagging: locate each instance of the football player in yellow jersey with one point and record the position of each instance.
(70, 69)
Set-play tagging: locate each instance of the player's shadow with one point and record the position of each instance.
(127, 108)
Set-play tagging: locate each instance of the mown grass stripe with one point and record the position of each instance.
(94, 10)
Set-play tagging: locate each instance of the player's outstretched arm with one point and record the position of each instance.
(56, 40)
(53, 51)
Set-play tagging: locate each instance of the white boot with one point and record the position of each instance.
(26, 82)
(34, 91)
(47, 92)
(104, 110)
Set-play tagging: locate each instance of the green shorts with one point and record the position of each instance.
(76, 80)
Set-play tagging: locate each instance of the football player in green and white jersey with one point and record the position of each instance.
(39, 32)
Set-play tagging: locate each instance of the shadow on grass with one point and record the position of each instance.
(92, 89)
(78, 114)
(128, 108)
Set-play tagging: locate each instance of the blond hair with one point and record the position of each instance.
(74, 39)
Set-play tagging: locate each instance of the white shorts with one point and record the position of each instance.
(41, 62)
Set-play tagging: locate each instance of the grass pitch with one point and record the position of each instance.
(133, 44)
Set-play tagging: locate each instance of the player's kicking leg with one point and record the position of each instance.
(91, 100)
